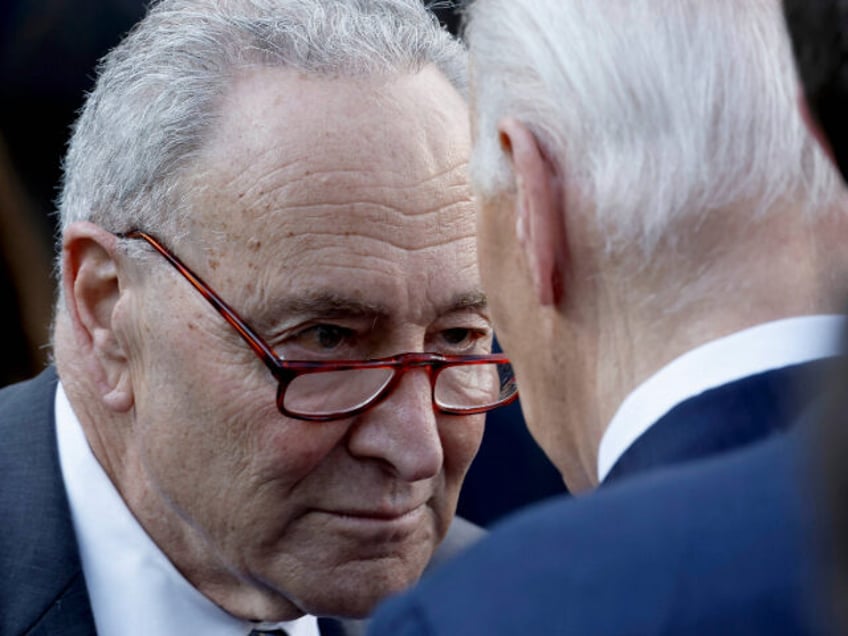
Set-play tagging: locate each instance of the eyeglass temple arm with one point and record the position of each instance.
(259, 346)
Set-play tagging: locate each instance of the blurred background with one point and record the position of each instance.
(48, 52)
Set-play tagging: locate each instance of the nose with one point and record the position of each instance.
(402, 430)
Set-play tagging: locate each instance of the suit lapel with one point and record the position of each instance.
(69, 614)
(44, 592)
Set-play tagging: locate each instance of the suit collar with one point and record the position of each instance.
(746, 353)
(724, 418)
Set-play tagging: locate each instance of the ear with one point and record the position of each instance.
(540, 223)
(91, 286)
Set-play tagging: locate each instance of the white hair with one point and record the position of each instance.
(657, 111)
(158, 93)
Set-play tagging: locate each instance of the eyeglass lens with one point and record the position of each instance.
(457, 387)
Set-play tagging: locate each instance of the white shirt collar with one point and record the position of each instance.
(134, 589)
(754, 350)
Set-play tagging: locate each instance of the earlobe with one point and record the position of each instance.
(91, 286)
(539, 223)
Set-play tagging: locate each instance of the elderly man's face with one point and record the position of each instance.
(334, 215)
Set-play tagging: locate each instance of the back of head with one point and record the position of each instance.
(656, 112)
(157, 94)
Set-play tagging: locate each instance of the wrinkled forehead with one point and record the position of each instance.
(313, 181)
(284, 140)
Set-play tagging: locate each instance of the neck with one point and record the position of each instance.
(634, 324)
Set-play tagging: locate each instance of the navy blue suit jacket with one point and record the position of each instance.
(43, 591)
(678, 547)
(711, 547)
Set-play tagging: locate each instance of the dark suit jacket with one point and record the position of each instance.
(43, 592)
(727, 417)
(669, 545)
(712, 547)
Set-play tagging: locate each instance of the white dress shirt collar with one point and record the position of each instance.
(134, 589)
(754, 350)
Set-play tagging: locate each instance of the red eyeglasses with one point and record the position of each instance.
(335, 389)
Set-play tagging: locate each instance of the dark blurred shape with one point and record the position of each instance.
(509, 472)
(26, 288)
(48, 51)
(819, 32)
(832, 449)
(448, 14)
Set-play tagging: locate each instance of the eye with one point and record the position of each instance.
(330, 336)
(323, 339)
(464, 340)
(456, 336)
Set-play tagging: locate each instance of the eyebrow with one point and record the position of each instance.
(334, 305)
(476, 300)
(329, 304)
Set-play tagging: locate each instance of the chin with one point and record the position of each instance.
(357, 606)
(361, 597)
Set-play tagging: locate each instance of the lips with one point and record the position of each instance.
(370, 525)
(379, 508)
(382, 514)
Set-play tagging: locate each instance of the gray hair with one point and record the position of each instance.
(658, 111)
(158, 92)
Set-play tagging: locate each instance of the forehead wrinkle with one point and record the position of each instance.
(457, 175)
(405, 201)
(458, 170)
(418, 206)
(368, 179)
(372, 218)
(295, 183)
(258, 182)
(389, 240)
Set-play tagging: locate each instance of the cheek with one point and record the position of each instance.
(199, 447)
(204, 422)
(237, 473)
(461, 438)
(297, 456)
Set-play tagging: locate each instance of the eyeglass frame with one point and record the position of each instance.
(286, 371)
